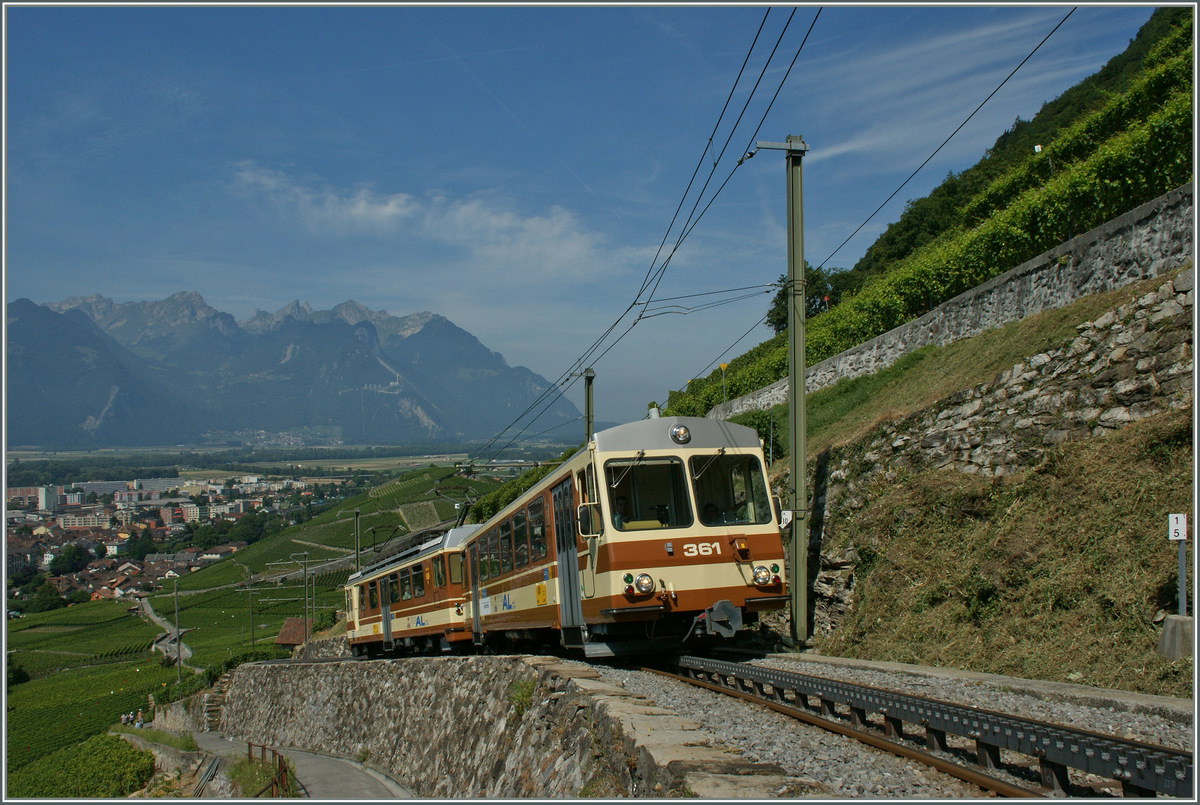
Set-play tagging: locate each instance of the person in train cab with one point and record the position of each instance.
(621, 511)
(711, 514)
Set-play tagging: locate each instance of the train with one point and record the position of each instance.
(657, 532)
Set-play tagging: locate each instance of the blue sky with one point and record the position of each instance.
(511, 168)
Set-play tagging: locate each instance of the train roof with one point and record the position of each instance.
(655, 434)
(447, 541)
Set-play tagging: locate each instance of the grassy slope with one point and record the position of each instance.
(1054, 574)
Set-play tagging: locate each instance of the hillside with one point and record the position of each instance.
(1112, 156)
(1031, 550)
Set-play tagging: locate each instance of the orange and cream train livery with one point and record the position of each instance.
(658, 530)
(410, 602)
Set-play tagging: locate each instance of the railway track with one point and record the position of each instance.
(1007, 754)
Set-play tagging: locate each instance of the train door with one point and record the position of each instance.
(387, 597)
(570, 608)
(472, 565)
(586, 479)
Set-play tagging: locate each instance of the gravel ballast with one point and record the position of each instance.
(842, 767)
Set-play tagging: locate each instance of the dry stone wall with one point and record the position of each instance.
(1131, 363)
(493, 727)
(1149, 241)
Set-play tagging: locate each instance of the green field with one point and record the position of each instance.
(88, 664)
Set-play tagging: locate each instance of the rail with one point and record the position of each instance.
(1142, 769)
(206, 776)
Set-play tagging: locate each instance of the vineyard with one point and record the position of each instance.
(101, 766)
(1135, 148)
(88, 664)
(79, 637)
(409, 503)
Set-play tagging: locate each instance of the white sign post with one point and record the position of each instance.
(1177, 532)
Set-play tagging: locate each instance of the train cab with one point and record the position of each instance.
(658, 530)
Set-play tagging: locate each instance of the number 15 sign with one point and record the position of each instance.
(1177, 527)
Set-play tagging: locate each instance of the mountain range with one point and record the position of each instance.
(88, 372)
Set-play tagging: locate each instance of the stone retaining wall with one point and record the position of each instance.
(1153, 239)
(326, 649)
(1130, 363)
(493, 727)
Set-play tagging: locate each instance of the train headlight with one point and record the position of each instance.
(762, 575)
(643, 583)
(680, 434)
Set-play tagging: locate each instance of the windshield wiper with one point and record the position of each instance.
(704, 469)
(640, 455)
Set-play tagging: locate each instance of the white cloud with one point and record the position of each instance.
(327, 209)
(484, 235)
(497, 238)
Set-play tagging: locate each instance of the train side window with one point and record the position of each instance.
(506, 560)
(405, 585)
(493, 539)
(372, 595)
(393, 582)
(537, 529)
(418, 580)
(520, 540)
(439, 571)
(454, 563)
(362, 598)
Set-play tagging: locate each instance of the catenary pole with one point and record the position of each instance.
(795, 149)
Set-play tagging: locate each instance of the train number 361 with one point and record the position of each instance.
(702, 549)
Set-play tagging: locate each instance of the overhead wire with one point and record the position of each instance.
(919, 167)
(947, 140)
(557, 389)
(694, 219)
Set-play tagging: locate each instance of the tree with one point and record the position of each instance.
(22, 574)
(72, 558)
(139, 546)
(45, 599)
(822, 290)
(15, 675)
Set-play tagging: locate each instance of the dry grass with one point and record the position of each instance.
(1056, 574)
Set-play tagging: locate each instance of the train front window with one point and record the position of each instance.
(730, 489)
(647, 493)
